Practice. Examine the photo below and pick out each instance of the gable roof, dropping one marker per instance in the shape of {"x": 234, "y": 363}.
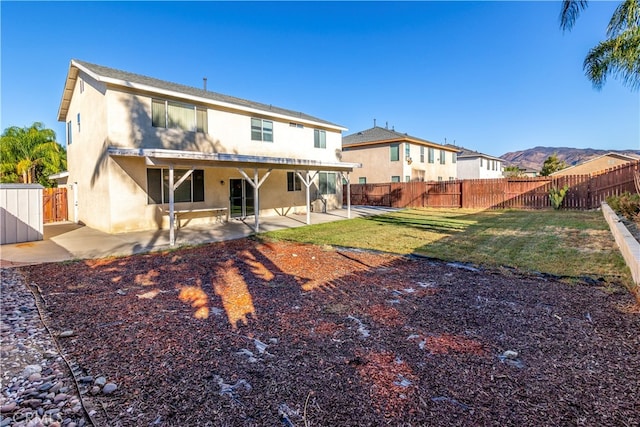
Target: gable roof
{"x": 151, "y": 84}
{"x": 624, "y": 157}
{"x": 378, "y": 135}
{"x": 465, "y": 153}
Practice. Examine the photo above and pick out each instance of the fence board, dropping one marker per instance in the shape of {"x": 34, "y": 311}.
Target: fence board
{"x": 585, "y": 191}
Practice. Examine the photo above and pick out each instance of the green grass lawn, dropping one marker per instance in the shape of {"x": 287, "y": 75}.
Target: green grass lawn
{"x": 571, "y": 244}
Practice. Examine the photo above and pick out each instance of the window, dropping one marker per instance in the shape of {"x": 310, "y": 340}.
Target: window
{"x": 81, "y": 86}
{"x": 175, "y": 115}
{"x": 261, "y": 130}
{"x": 488, "y": 164}
{"x": 293, "y": 182}
{"x": 296, "y": 125}
{"x": 439, "y": 178}
{"x": 395, "y": 178}
{"x": 327, "y": 182}
{"x": 319, "y": 138}
{"x": 443, "y": 158}
{"x": 421, "y": 154}
{"x": 69, "y": 132}
{"x": 480, "y": 161}
{"x": 431, "y": 154}
{"x": 407, "y": 178}
{"x": 395, "y": 152}
{"x": 454, "y": 157}
{"x": 407, "y": 150}
{"x": 78, "y": 119}
{"x": 191, "y": 189}
{"x": 362, "y": 180}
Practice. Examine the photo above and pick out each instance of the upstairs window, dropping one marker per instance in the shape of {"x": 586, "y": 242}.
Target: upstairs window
{"x": 431, "y": 155}
{"x": 175, "y": 115}
{"x": 407, "y": 150}
{"x": 395, "y": 152}
{"x": 261, "y": 130}
{"x": 454, "y": 157}
{"x": 190, "y": 190}
{"x": 443, "y": 158}
{"x": 319, "y": 138}
{"x": 69, "y": 132}
{"x": 293, "y": 182}
{"x": 421, "y": 154}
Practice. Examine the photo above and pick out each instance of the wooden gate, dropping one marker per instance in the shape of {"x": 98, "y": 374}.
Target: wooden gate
{"x": 54, "y": 205}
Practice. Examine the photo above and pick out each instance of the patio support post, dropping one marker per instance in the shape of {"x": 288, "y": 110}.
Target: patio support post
{"x": 172, "y": 233}
{"x": 307, "y": 183}
{"x": 348, "y": 197}
{"x": 256, "y": 183}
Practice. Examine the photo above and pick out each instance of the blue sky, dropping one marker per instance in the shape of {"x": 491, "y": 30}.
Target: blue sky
{"x": 492, "y": 76}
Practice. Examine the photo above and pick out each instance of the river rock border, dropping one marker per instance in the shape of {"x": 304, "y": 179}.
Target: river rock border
{"x": 37, "y": 387}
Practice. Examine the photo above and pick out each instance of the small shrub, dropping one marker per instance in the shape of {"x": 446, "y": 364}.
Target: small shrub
{"x": 626, "y": 204}
{"x": 557, "y": 196}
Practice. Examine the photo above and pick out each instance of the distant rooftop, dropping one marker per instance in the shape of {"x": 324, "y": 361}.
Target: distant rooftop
{"x": 467, "y": 153}
{"x": 379, "y": 134}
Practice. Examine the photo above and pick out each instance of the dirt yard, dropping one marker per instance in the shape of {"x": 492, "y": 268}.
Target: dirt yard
{"x": 245, "y": 333}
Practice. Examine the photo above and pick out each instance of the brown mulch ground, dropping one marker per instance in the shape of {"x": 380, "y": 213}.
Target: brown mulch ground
{"x": 246, "y": 333}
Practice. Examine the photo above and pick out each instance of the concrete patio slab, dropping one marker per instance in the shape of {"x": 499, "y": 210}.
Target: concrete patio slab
{"x": 69, "y": 241}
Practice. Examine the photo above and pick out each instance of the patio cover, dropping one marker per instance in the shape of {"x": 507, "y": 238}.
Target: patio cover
{"x": 193, "y": 159}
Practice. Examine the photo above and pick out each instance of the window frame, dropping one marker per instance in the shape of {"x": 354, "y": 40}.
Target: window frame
{"x": 69, "y": 132}
{"x": 422, "y": 154}
{"x": 329, "y": 185}
{"x": 200, "y": 124}
{"x": 261, "y": 133}
{"x": 362, "y": 180}
{"x": 293, "y": 182}
{"x": 394, "y": 152}
{"x": 319, "y": 138}
{"x": 195, "y": 182}
{"x": 443, "y": 157}
{"x": 395, "y": 178}
{"x": 431, "y": 155}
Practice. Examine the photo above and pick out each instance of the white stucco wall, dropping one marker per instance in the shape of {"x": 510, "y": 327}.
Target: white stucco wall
{"x": 476, "y": 168}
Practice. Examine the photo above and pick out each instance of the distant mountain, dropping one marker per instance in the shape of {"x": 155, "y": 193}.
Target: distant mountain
{"x": 533, "y": 158}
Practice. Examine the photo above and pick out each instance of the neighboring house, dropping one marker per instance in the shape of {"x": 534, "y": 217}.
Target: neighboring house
{"x": 474, "y": 165}
{"x": 130, "y": 137}
{"x": 390, "y": 156}
{"x": 597, "y": 164}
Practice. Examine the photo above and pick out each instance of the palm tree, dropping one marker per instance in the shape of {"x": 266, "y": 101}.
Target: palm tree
{"x": 619, "y": 54}
{"x": 30, "y": 154}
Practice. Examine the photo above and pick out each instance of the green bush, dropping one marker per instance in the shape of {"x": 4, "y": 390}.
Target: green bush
{"x": 626, "y": 204}
{"x": 557, "y": 196}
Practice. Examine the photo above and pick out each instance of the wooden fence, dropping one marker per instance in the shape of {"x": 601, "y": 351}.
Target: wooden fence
{"x": 585, "y": 191}
{"x": 54, "y": 205}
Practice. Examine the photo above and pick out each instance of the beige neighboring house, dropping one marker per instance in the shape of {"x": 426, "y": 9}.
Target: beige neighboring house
{"x": 475, "y": 165}
{"x": 139, "y": 148}
{"x": 597, "y": 164}
{"x": 390, "y": 156}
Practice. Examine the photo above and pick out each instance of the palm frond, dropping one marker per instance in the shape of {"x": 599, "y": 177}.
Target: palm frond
{"x": 619, "y": 57}
{"x": 625, "y": 17}
{"x": 570, "y": 11}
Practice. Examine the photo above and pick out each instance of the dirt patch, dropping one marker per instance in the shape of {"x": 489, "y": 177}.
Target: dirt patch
{"x": 246, "y": 333}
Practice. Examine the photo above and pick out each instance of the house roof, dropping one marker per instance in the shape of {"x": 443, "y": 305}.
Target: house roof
{"x": 623, "y": 157}
{"x": 378, "y": 135}
{"x": 465, "y": 153}
{"x": 141, "y": 82}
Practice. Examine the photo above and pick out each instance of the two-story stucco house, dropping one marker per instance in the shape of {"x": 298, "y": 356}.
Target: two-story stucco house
{"x": 141, "y": 150}
{"x": 390, "y": 156}
{"x": 475, "y": 165}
